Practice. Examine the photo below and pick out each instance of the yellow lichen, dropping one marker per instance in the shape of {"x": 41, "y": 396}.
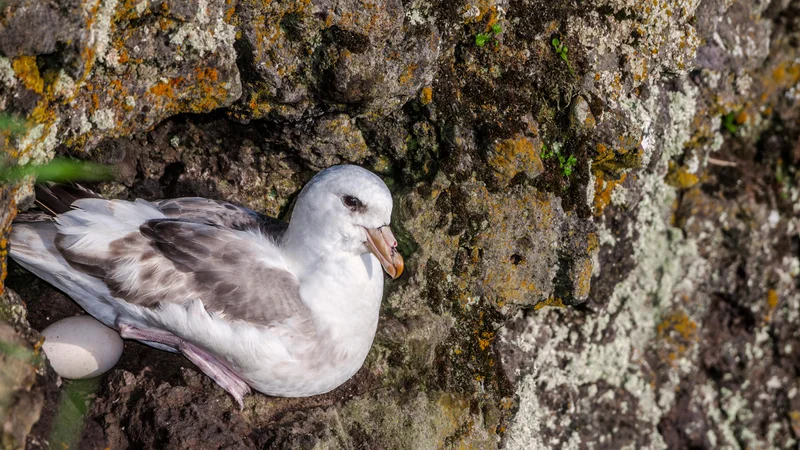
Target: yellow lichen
{"x": 794, "y": 418}
{"x": 550, "y": 301}
{"x": 609, "y": 166}
{"x": 28, "y": 72}
{"x": 485, "y": 339}
{"x": 678, "y": 332}
{"x": 5, "y": 227}
{"x": 680, "y": 177}
{"x": 426, "y": 95}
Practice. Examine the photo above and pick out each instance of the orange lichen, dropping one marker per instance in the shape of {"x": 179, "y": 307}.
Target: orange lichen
{"x": 784, "y": 73}
{"x": 28, "y": 72}
{"x": 42, "y": 113}
{"x": 123, "y": 57}
{"x": 609, "y": 167}
{"x": 5, "y": 229}
{"x": 772, "y": 298}
{"x": 166, "y": 88}
{"x": 772, "y": 303}
{"x": 512, "y": 156}
{"x": 508, "y": 278}
{"x": 406, "y": 76}
{"x": 493, "y": 16}
{"x": 426, "y": 95}
{"x": 165, "y": 23}
{"x": 602, "y": 192}
{"x": 741, "y": 118}
{"x": 126, "y": 10}
{"x": 229, "y": 14}
{"x": 207, "y": 73}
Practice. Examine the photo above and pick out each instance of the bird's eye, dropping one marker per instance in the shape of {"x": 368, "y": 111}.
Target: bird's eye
{"x": 352, "y": 202}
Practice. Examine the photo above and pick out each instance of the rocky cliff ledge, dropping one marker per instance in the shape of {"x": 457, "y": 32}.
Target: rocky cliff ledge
{"x": 597, "y": 201}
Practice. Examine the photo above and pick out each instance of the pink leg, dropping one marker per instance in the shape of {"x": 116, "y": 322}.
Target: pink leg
{"x": 159, "y": 337}
{"x": 210, "y": 365}
{"x": 217, "y": 370}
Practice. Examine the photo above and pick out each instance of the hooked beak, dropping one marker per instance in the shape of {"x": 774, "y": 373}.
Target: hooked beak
{"x": 383, "y": 245}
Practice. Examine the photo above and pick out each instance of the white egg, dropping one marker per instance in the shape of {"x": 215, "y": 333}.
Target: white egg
{"x": 81, "y": 347}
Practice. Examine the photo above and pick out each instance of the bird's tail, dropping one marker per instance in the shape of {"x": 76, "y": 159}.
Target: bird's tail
{"x": 54, "y": 199}
{"x": 32, "y": 240}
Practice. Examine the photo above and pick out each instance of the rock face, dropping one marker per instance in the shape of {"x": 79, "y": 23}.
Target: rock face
{"x": 597, "y": 203}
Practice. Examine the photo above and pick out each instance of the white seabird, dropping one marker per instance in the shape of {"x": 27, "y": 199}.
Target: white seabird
{"x": 287, "y": 309}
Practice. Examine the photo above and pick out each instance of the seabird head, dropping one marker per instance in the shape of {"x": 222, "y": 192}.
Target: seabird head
{"x": 351, "y": 208}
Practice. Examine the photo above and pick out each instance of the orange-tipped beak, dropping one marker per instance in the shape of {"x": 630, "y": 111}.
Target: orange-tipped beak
{"x": 383, "y": 245}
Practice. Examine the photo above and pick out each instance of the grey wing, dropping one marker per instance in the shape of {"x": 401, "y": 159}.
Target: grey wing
{"x": 221, "y": 214}
{"x": 238, "y": 275}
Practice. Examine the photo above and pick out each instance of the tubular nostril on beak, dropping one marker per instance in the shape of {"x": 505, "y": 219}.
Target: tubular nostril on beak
{"x": 383, "y": 244}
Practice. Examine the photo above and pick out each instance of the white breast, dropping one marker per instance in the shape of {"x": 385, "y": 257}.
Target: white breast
{"x": 345, "y": 297}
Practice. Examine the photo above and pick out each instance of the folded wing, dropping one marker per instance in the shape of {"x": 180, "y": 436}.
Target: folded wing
{"x": 147, "y": 258}
{"x": 221, "y": 214}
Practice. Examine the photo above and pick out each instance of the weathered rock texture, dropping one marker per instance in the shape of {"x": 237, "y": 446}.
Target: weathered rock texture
{"x": 601, "y": 235}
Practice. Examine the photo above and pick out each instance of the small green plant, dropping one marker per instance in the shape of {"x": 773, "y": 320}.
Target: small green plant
{"x": 546, "y": 152}
{"x": 565, "y": 163}
{"x": 729, "y": 122}
{"x": 561, "y": 50}
{"x": 482, "y": 38}
{"x": 784, "y": 180}
{"x": 60, "y": 170}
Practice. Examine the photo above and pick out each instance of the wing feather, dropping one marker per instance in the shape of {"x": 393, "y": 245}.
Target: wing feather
{"x": 147, "y": 258}
{"x": 222, "y": 214}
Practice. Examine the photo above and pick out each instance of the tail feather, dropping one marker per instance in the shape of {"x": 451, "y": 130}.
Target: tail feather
{"x": 33, "y": 243}
{"x": 58, "y": 198}
{"x": 32, "y": 246}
